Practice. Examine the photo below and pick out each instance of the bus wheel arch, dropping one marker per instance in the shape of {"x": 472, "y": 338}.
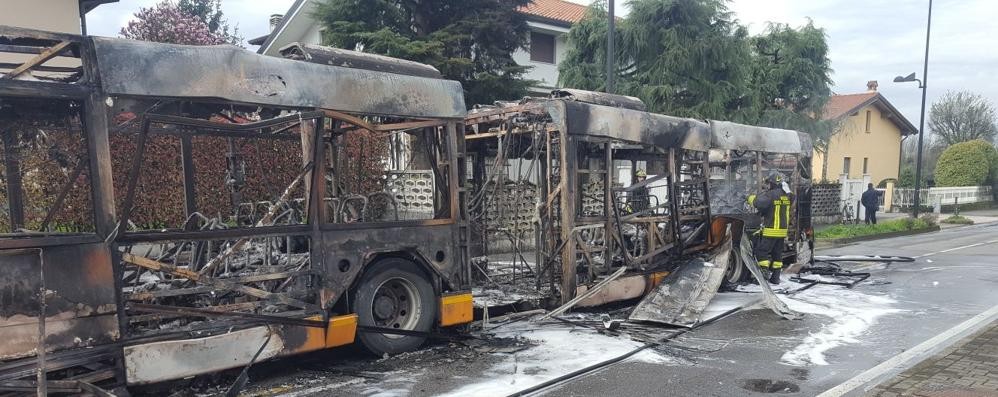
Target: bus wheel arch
{"x": 394, "y": 291}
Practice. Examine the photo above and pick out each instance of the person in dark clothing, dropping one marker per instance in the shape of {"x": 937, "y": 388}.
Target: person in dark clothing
{"x": 871, "y": 203}
{"x": 640, "y": 196}
{"x": 774, "y": 207}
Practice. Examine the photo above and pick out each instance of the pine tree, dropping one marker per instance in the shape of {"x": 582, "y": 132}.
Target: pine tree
{"x": 471, "y": 41}
{"x": 685, "y": 58}
{"x": 691, "y": 58}
{"x": 791, "y": 80}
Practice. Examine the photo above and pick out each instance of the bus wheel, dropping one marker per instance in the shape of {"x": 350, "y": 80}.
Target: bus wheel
{"x": 736, "y": 272}
{"x": 394, "y": 293}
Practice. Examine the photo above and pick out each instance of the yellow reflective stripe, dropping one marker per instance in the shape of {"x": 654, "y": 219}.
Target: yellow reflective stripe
{"x": 777, "y": 265}
{"x": 776, "y": 216}
{"x": 764, "y": 263}
{"x": 771, "y": 232}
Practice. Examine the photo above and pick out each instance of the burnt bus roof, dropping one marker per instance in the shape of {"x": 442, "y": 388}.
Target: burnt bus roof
{"x": 733, "y": 136}
{"x": 357, "y": 60}
{"x": 140, "y": 68}
{"x": 579, "y": 118}
{"x": 599, "y": 98}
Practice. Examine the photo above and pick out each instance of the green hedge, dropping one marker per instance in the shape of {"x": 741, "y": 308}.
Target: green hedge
{"x": 971, "y": 163}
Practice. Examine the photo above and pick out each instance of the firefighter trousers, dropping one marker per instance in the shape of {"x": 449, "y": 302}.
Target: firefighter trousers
{"x": 769, "y": 252}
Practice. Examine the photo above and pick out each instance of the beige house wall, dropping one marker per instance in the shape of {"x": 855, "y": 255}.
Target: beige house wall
{"x": 880, "y": 146}
{"x": 52, "y": 15}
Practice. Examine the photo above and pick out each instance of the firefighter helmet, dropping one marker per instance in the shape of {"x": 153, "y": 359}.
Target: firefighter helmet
{"x": 775, "y": 178}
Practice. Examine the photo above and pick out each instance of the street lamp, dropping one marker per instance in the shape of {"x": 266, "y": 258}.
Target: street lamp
{"x": 921, "y": 124}
{"x": 611, "y": 67}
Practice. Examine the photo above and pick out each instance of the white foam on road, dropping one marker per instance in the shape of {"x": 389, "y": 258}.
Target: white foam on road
{"x": 852, "y": 313}
{"x": 560, "y": 350}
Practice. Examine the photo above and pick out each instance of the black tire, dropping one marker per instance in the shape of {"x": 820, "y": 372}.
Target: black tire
{"x": 736, "y": 271}
{"x": 394, "y": 293}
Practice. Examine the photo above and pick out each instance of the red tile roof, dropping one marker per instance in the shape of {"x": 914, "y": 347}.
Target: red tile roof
{"x": 841, "y": 105}
{"x": 556, "y": 10}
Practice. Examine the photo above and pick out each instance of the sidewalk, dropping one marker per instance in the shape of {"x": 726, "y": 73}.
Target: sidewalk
{"x": 969, "y": 368}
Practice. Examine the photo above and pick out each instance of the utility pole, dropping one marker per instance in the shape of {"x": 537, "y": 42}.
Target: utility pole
{"x": 921, "y": 124}
{"x": 610, "y": 61}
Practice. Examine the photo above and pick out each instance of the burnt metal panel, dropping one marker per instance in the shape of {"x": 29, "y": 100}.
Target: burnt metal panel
{"x": 684, "y": 295}
{"x": 733, "y": 136}
{"x": 80, "y": 307}
{"x": 348, "y": 250}
{"x": 357, "y": 60}
{"x": 599, "y": 98}
{"x": 229, "y": 73}
{"x": 631, "y": 125}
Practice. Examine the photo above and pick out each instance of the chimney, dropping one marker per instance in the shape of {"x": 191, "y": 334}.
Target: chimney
{"x": 872, "y": 85}
{"x": 275, "y": 19}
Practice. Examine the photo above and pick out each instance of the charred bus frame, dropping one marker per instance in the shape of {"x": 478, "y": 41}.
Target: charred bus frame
{"x": 582, "y": 224}
{"x": 311, "y": 245}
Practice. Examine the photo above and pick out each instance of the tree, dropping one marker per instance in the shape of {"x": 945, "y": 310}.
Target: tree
{"x": 963, "y": 116}
{"x": 584, "y": 66}
{"x": 210, "y": 12}
{"x": 471, "y": 41}
{"x": 792, "y": 82}
{"x": 971, "y": 163}
{"x": 166, "y": 22}
{"x": 686, "y": 58}
{"x": 690, "y": 58}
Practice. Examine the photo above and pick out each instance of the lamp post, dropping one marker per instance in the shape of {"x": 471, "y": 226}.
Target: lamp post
{"x": 610, "y": 62}
{"x": 921, "y": 124}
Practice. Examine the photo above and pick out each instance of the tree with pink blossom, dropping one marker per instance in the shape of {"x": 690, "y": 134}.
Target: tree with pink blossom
{"x": 166, "y": 22}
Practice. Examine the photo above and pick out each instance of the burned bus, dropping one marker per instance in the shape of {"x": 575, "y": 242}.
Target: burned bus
{"x": 556, "y": 209}
{"x": 741, "y": 156}
{"x": 173, "y": 210}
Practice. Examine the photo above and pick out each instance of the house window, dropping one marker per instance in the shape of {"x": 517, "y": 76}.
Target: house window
{"x": 866, "y": 162}
{"x": 869, "y": 115}
{"x": 845, "y": 165}
{"x": 541, "y": 47}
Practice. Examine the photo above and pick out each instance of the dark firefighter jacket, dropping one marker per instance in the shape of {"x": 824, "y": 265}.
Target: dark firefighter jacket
{"x": 774, "y": 206}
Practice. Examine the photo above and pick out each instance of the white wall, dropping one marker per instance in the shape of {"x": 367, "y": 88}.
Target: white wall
{"x": 546, "y": 73}
{"x": 61, "y": 16}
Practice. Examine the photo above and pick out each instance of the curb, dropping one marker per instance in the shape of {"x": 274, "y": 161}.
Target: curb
{"x": 849, "y": 240}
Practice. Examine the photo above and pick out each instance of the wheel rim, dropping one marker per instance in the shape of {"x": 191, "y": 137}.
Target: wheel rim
{"x": 396, "y": 304}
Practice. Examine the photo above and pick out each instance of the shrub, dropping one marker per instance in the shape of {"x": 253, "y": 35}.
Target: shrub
{"x": 971, "y": 163}
{"x": 958, "y": 220}
{"x": 897, "y": 225}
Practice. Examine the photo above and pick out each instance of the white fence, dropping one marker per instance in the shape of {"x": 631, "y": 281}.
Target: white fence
{"x": 852, "y": 191}
{"x": 905, "y": 197}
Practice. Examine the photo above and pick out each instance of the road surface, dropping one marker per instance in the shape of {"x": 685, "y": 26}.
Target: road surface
{"x": 838, "y": 345}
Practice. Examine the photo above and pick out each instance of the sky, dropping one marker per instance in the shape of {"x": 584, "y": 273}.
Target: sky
{"x": 868, "y": 39}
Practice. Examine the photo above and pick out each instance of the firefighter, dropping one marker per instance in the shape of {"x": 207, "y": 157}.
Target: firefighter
{"x": 640, "y": 196}
{"x": 774, "y": 207}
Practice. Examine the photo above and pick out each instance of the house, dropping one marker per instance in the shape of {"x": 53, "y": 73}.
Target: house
{"x": 549, "y": 22}
{"x": 867, "y": 141}
{"x": 62, "y": 16}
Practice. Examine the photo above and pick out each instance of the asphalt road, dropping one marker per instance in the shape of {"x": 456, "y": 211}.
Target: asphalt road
{"x": 741, "y": 354}
{"x": 900, "y": 306}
